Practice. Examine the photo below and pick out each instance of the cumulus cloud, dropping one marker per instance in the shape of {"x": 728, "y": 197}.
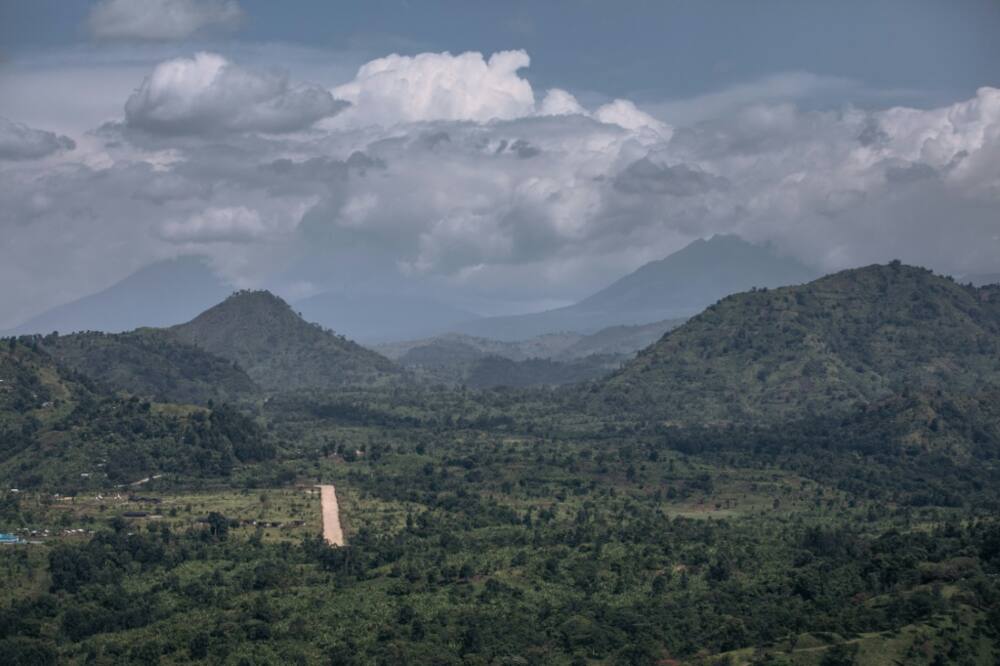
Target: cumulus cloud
{"x": 558, "y": 102}
{"x": 20, "y": 142}
{"x": 207, "y": 94}
{"x": 467, "y": 87}
{"x": 438, "y": 86}
{"x": 161, "y": 19}
{"x": 488, "y": 207}
{"x": 625, "y": 114}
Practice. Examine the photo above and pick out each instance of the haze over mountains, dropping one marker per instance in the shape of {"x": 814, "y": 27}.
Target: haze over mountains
{"x": 850, "y": 338}
{"x": 163, "y": 294}
{"x": 552, "y": 359}
{"x": 382, "y": 315}
{"x": 678, "y": 286}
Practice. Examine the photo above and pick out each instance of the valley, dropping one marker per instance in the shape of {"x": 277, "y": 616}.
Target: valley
{"x": 776, "y": 480}
{"x": 442, "y": 333}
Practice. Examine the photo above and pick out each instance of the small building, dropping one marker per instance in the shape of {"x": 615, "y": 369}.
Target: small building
{"x": 8, "y": 538}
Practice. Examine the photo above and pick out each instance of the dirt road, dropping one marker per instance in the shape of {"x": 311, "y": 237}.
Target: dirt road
{"x": 332, "y": 532}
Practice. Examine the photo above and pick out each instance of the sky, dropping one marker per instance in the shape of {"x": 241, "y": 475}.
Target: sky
{"x": 502, "y": 157}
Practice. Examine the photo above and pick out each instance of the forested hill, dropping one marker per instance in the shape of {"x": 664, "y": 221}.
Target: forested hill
{"x": 850, "y": 338}
{"x": 278, "y": 349}
{"x": 151, "y": 363}
{"x": 58, "y": 429}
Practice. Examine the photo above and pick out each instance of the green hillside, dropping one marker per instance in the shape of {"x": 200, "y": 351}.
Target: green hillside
{"x": 493, "y": 371}
{"x": 59, "y": 430}
{"x": 278, "y": 349}
{"x": 804, "y": 476}
{"x": 849, "y": 338}
{"x": 151, "y": 363}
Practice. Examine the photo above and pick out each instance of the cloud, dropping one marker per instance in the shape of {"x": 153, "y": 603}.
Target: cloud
{"x": 438, "y": 86}
{"x": 645, "y": 176}
{"x": 207, "y": 94}
{"x": 430, "y": 87}
{"x": 770, "y": 90}
{"x": 20, "y": 142}
{"x": 234, "y": 224}
{"x": 161, "y": 19}
{"x": 625, "y": 114}
{"x": 548, "y": 204}
{"x": 558, "y": 102}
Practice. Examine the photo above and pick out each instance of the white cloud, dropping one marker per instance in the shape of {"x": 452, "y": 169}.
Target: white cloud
{"x": 558, "y": 102}
{"x": 208, "y": 94}
{"x": 234, "y": 224}
{"x": 160, "y": 19}
{"x": 438, "y": 86}
{"x": 625, "y": 114}
{"x": 467, "y": 87}
{"x": 938, "y": 135}
{"x": 551, "y": 202}
{"x": 20, "y": 142}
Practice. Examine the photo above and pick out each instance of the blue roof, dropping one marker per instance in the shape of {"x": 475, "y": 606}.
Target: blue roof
{"x": 4, "y": 538}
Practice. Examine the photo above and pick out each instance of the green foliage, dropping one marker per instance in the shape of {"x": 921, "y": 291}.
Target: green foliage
{"x": 850, "y": 338}
{"x": 60, "y": 430}
{"x": 150, "y": 363}
{"x": 854, "y": 521}
{"x": 278, "y": 349}
{"x": 495, "y": 371}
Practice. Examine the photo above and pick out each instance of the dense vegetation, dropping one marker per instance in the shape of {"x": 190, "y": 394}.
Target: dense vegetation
{"x": 62, "y": 431}
{"x": 554, "y": 359}
{"x": 151, "y": 363}
{"x": 854, "y": 522}
{"x": 280, "y": 350}
{"x": 846, "y": 339}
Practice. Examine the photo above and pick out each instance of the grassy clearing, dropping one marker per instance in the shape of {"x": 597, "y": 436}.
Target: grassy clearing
{"x": 276, "y": 514}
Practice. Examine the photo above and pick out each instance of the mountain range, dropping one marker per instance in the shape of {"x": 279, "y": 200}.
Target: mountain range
{"x": 847, "y": 339}
{"x": 552, "y": 359}
{"x": 614, "y": 340}
{"x": 677, "y": 286}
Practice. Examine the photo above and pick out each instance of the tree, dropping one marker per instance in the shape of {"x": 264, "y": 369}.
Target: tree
{"x": 218, "y": 525}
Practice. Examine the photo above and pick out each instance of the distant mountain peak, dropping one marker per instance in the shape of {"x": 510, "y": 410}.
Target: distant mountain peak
{"x": 161, "y": 294}
{"x": 677, "y": 286}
